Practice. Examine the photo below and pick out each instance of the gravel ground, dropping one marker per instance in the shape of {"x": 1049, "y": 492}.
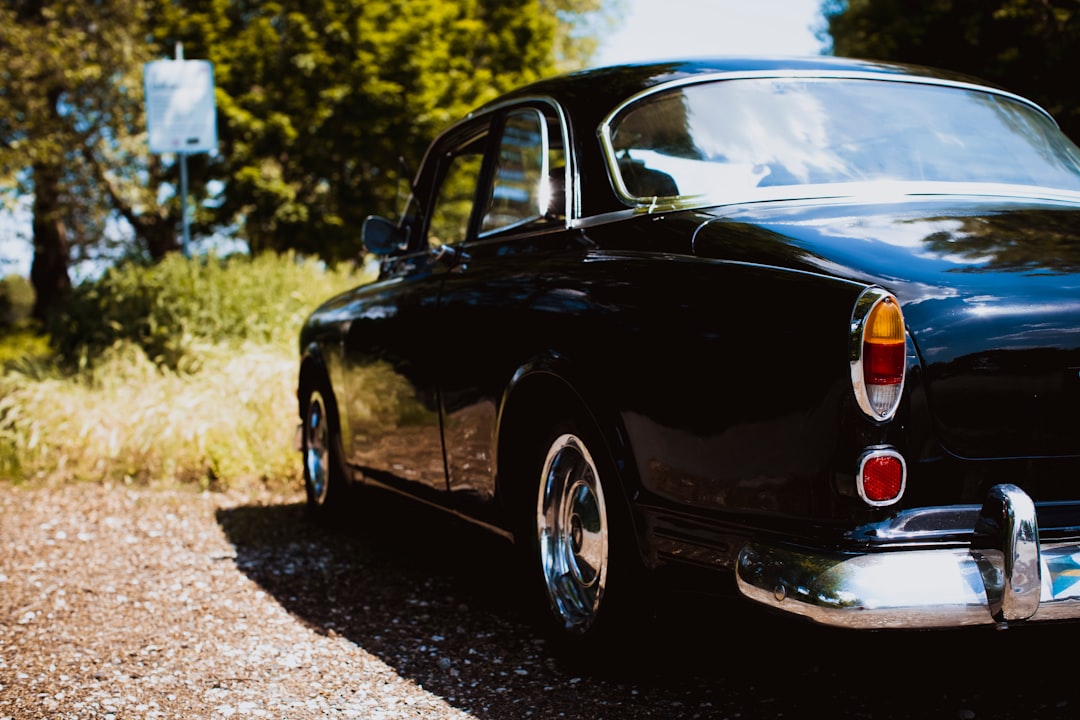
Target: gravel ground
{"x": 121, "y": 602}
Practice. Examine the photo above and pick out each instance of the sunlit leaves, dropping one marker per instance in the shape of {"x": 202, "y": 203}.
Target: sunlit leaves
{"x": 320, "y": 99}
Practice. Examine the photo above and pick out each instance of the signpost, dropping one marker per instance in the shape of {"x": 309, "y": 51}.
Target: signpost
{"x": 181, "y": 115}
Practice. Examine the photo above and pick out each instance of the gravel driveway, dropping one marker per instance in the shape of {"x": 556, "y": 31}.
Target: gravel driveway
{"x": 161, "y": 603}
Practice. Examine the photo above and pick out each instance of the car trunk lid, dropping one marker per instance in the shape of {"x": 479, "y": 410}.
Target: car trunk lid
{"x": 990, "y": 291}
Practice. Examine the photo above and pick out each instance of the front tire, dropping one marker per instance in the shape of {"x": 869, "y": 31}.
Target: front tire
{"x": 324, "y": 477}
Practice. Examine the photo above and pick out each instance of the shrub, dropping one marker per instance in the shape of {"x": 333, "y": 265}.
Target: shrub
{"x": 16, "y": 301}
{"x": 25, "y": 349}
{"x": 169, "y": 308}
{"x": 185, "y": 370}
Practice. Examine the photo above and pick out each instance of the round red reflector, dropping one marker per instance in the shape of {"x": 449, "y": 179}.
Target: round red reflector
{"x": 882, "y": 478}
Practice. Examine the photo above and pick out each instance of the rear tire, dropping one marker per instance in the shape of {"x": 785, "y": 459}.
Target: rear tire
{"x": 581, "y": 542}
{"x": 572, "y": 534}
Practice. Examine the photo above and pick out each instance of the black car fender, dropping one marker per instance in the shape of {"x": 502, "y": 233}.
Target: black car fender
{"x": 547, "y": 388}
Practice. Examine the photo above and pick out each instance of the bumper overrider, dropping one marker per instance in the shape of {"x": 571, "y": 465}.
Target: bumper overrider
{"x": 1001, "y": 575}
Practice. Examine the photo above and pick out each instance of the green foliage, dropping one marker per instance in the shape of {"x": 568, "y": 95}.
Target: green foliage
{"x": 1022, "y": 45}
{"x": 16, "y": 301}
{"x": 24, "y": 349}
{"x": 174, "y": 307}
{"x": 22, "y": 345}
{"x": 186, "y": 368}
{"x": 188, "y": 371}
{"x": 320, "y": 99}
{"x": 71, "y": 118}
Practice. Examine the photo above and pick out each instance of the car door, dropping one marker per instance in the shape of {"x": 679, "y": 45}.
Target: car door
{"x": 487, "y": 302}
{"x": 395, "y": 341}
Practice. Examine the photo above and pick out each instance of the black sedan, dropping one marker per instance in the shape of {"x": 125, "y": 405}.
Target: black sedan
{"x": 812, "y": 325}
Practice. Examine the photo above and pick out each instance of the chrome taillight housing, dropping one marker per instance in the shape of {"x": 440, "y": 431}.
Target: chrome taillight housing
{"x": 878, "y": 353}
{"x": 881, "y": 477}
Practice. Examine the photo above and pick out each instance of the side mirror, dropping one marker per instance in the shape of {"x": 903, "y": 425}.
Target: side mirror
{"x": 381, "y": 236}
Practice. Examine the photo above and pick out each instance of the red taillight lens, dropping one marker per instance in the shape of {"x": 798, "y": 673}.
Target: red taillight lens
{"x": 882, "y": 476}
{"x": 878, "y": 367}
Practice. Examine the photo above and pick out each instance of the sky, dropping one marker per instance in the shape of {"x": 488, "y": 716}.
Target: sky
{"x": 649, "y": 30}
{"x": 663, "y": 29}
{"x": 15, "y": 249}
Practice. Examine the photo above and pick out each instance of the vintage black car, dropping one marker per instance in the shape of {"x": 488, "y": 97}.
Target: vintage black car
{"x": 811, "y": 324}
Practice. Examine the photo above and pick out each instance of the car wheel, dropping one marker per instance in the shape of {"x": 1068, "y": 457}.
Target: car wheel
{"x": 572, "y": 533}
{"x": 582, "y": 543}
{"x": 324, "y": 479}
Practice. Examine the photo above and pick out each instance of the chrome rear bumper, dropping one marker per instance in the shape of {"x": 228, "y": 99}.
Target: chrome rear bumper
{"x": 1004, "y": 576}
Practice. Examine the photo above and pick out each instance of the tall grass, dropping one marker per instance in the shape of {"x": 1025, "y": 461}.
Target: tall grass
{"x": 181, "y": 371}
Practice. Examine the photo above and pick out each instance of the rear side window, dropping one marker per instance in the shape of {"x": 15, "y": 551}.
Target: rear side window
{"x": 529, "y": 174}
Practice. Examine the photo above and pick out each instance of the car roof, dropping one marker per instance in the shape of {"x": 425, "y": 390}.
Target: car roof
{"x": 601, "y": 88}
{"x": 588, "y": 97}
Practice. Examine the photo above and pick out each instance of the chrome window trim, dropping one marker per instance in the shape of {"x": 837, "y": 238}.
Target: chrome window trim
{"x": 691, "y": 201}
{"x": 504, "y": 228}
{"x": 855, "y": 192}
{"x": 603, "y": 218}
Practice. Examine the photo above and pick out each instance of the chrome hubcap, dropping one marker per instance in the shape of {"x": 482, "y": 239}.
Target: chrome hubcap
{"x": 316, "y": 448}
{"x": 571, "y": 524}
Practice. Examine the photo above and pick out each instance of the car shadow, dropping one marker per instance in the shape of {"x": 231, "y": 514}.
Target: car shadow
{"x": 442, "y": 603}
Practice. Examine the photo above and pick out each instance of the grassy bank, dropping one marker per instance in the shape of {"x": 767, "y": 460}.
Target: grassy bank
{"x": 181, "y": 371}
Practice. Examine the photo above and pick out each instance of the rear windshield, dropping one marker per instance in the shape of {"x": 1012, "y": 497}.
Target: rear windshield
{"x": 733, "y": 135}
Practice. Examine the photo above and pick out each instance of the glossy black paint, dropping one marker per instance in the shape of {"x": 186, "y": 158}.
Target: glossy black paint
{"x": 710, "y": 348}
{"x": 990, "y": 291}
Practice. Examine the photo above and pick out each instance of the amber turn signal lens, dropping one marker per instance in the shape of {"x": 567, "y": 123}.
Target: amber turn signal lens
{"x": 885, "y": 325}
{"x": 883, "y": 345}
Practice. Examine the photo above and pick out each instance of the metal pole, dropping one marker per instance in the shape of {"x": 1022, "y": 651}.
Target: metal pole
{"x": 185, "y": 241}
{"x": 185, "y": 237}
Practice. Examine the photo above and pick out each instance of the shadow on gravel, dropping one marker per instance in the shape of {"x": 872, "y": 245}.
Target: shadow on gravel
{"x": 437, "y": 600}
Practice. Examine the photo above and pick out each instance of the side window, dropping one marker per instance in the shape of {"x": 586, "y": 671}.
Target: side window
{"x": 454, "y": 200}
{"x": 529, "y": 173}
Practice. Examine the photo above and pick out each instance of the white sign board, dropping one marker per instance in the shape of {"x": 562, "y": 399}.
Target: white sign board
{"x": 180, "y": 111}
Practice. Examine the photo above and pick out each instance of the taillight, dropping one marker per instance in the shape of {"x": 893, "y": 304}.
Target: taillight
{"x": 881, "y": 477}
{"x": 878, "y": 353}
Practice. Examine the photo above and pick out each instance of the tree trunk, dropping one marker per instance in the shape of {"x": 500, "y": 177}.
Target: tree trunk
{"x": 159, "y": 235}
{"x": 49, "y": 269}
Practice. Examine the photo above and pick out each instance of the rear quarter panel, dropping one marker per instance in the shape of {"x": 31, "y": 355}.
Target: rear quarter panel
{"x": 726, "y": 384}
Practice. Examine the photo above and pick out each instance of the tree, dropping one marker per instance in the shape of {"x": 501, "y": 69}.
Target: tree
{"x": 31, "y": 83}
{"x": 1026, "y": 46}
{"x": 320, "y": 100}
{"x": 70, "y": 131}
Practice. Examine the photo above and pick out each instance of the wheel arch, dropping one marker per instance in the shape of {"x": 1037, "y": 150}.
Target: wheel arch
{"x": 312, "y": 370}
{"x": 316, "y": 365}
{"x": 542, "y": 392}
